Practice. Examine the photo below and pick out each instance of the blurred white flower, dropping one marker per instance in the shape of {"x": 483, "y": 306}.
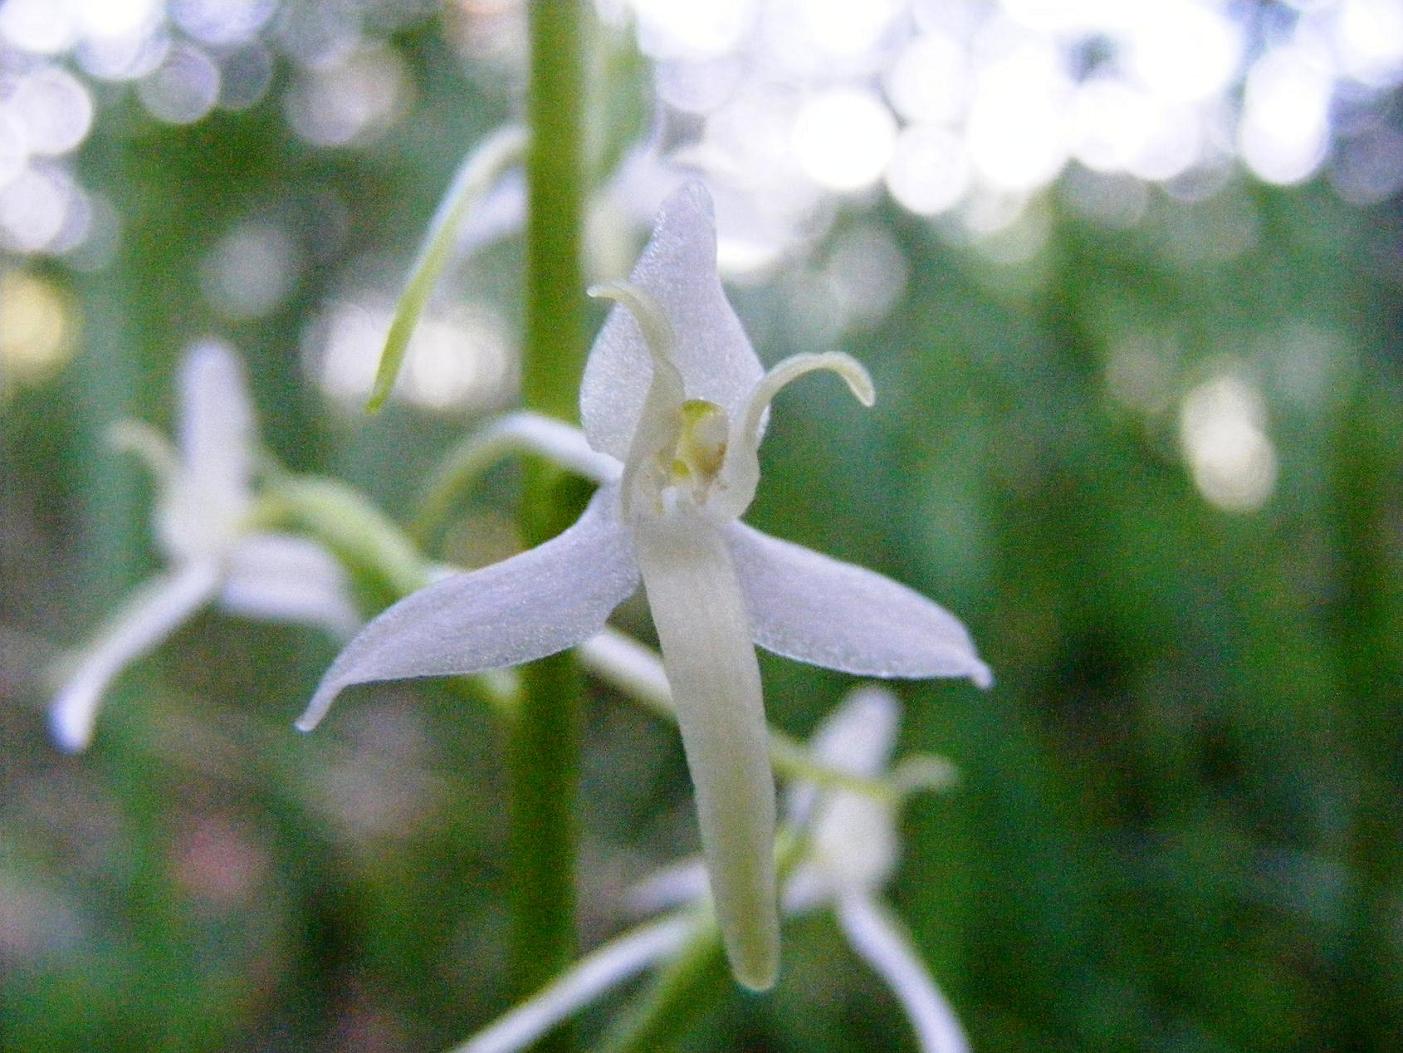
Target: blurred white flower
{"x": 675, "y": 394}
{"x": 213, "y": 554}
{"x": 849, "y": 850}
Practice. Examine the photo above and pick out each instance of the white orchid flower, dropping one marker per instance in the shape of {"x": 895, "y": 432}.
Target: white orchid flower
{"x": 674, "y": 393}
{"x": 853, "y": 851}
{"x": 201, "y": 521}
{"x": 852, "y": 847}
{"x": 849, "y": 853}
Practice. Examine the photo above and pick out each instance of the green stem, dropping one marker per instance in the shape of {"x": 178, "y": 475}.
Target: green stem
{"x": 1367, "y": 608}
{"x": 544, "y": 742}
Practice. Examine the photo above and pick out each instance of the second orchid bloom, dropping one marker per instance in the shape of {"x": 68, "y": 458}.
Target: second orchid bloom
{"x": 674, "y": 393}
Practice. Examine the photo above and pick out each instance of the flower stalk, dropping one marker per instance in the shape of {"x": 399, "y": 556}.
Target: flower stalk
{"x": 544, "y": 742}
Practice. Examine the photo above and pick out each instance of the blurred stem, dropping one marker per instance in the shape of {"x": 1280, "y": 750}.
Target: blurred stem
{"x": 1366, "y": 611}
{"x": 544, "y": 742}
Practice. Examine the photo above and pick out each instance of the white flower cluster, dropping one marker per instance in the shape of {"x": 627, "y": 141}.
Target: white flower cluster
{"x": 674, "y": 403}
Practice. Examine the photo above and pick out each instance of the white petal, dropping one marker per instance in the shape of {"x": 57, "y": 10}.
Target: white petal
{"x": 878, "y": 937}
{"x": 590, "y": 977}
{"x": 150, "y": 615}
{"x": 282, "y": 578}
{"x": 526, "y": 607}
{"x": 857, "y": 737}
{"x": 712, "y": 352}
{"x": 672, "y": 886}
{"x": 853, "y": 843}
{"x": 704, "y": 632}
{"x": 820, "y": 610}
{"x": 805, "y": 890}
{"x": 216, "y": 423}
{"x": 648, "y": 461}
{"x": 630, "y": 666}
{"x": 638, "y": 672}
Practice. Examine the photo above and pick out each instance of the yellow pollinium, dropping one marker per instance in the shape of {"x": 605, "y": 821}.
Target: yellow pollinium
{"x": 701, "y": 443}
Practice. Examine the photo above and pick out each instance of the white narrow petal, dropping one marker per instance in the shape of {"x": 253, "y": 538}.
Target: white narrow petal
{"x": 857, "y": 737}
{"x": 564, "y": 444}
{"x": 879, "y": 938}
{"x": 216, "y": 423}
{"x": 820, "y": 610}
{"x": 524, "y": 608}
{"x": 630, "y": 666}
{"x": 714, "y": 356}
{"x": 282, "y": 578}
{"x": 704, "y": 632}
{"x": 590, "y": 977}
{"x": 672, "y": 886}
{"x": 150, "y": 615}
{"x": 806, "y": 890}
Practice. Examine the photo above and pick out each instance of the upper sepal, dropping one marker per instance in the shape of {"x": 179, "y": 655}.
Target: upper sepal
{"x": 677, "y": 269}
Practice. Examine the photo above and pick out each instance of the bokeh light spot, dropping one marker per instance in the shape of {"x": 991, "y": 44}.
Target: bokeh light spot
{"x": 843, "y": 138}
{"x": 1222, "y": 430}
{"x": 37, "y": 338}
{"x": 183, "y": 88}
{"x": 929, "y": 172}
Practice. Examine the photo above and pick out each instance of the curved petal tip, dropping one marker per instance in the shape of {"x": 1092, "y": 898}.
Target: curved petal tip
{"x": 71, "y": 724}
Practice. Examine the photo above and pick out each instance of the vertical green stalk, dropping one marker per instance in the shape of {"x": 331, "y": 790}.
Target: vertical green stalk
{"x": 1367, "y": 612}
{"x": 544, "y": 742}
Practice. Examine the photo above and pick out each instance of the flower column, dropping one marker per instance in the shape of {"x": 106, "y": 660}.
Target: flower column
{"x": 545, "y": 740}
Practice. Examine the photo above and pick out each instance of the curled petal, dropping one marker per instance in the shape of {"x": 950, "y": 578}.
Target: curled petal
{"x": 282, "y": 578}
{"x": 660, "y": 415}
{"x": 816, "y": 609}
{"x": 712, "y": 352}
{"x": 534, "y": 604}
{"x": 148, "y": 617}
{"x": 878, "y": 937}
{"x": 740, "y": 473}
{"x": 704, "y": 631}
{"x": 216, "y": 425}
{"x": 593, "y": 975}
